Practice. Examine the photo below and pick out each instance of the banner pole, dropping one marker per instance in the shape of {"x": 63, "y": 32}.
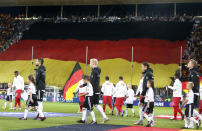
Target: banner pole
{"x": 180, "y": 61}
{"x": 32, "y": 58}
{"x": 132, "y": 67}
{"x": 86, "y": 60}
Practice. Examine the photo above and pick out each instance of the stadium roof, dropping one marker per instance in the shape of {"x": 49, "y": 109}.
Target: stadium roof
{"x": 87, "y": 2}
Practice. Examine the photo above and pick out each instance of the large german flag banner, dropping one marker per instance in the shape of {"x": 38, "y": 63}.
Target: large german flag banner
{"x": 72, "y": 82}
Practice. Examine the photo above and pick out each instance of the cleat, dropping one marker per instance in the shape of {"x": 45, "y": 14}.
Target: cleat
{"x": 184, "y": 128}
{"x": 198, "y": 125}
{"x": 43, "y": 118}
{"x": 105, "y": 120}
{"x": 93, "y": 123}
{"x": 139, "y": 123}
{"x": 148, "y": 125}
{"x": 122, "y": 114}
{"x": 80, "y": 121}
{"x": 126, "y": 115}
{"x": 173, "y": 119}
{"x": 22, "y": 118}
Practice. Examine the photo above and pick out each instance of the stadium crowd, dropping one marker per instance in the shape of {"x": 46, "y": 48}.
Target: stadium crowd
{"x": 11, "y": 30}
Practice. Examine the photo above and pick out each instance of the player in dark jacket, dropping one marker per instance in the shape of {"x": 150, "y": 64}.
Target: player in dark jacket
{"x": 40, "y": 86}
{"x": 194, "y": 77}
{"x": 148, "y": 75}
{"x": 95, "y": 81}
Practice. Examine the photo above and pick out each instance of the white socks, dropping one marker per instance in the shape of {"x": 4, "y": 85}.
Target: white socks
{"x": 40, "y": 109}
{"x": 93, "y": 115}
{"x": 192, "y": 121}
{"x": 140, "y": 113}
{"x": 26, "y": 112}
{"x": 84, "y": 114}
{"x": 133, "y": 111}
{"x": 186, "y": 122}
{"x": 147, "y": 117}
{"x": 11, "y": 105}
{"x": 100, "y": 109}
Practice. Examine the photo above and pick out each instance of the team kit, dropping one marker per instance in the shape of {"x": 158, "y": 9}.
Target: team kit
{"x": 89, "y": 93}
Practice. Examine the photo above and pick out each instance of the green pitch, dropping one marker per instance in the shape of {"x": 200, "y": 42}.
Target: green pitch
{"x": 12, "y": 123}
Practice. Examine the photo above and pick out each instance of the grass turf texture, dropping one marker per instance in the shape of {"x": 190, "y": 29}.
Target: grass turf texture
{"x": 12, "y": 123}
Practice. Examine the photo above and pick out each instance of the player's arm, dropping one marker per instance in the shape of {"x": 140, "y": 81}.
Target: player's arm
{"x": 184, "y": 102}
{"x": 30, "y": 93}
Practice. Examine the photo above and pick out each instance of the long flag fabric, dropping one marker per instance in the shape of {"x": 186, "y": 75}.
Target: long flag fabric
{"x": 72, "y": 82}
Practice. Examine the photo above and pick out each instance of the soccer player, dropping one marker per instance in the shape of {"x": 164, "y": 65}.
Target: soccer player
{"x": 18, "y": 83}
{"x": 120, "y": 93}
{"x": 88, "y": 102}
{"x": 148, "y": 75}
{"x": 107, "y": 90}
{"x": 177, "y": 95}
{"x": 81, "y": 90}
{"x": 129, "y": 100}
{"x": 141, "y": 102}
{"x": 9, "y": 96}
{"x": 32, "y": 97}
{"x": 95, "y": 81}
{"x": 40, "y": 87}
{"x": 189, "y": 101}
{"x": 149, "y": 103}
{"x": 194, "y": 77}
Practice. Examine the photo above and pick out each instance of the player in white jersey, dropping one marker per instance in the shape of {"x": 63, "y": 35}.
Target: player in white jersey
{"x": 18, "y": 83}
{"x": 189, "y": 101}
{"x": 141, "y": 101}
{"x": 9, "y": 96}
{"x": 177, "y": 95}
{"x": 120, "y": 93}
{"x": 81, "y": 90}
{"x": 107, "y": 90}
{"x": 32, "y": 97}
{"x": 88, "y": 103}
{"x": 149, "y": 103}
{"x": 129, "y": 100}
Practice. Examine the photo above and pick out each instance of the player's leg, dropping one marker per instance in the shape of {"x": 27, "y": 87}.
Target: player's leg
{"x": 90, "y": 102}
{"x": 104, "y": 101}
{"x": 110, "y": 103}
{"x": 186, "y": 120}
{"x": 10, "y": 100}
{"x": 84, "y": 111}
{"x": 141, "y": 106}
{"x": 192, "y": 119}
{"x": 5, "y": 103}
{"x": 126, "y": 110}
{"x": 26, "y": 109}
{"x": 98, "y": 107}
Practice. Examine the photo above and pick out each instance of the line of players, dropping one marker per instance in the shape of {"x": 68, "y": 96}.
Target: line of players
{"x": 35, "y": 93}
{"x": 89, "y": 95}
